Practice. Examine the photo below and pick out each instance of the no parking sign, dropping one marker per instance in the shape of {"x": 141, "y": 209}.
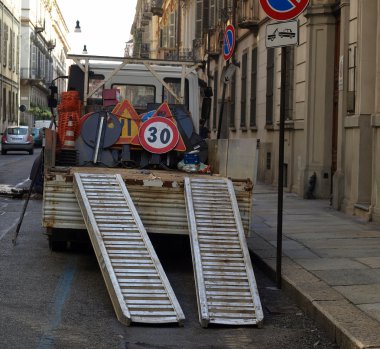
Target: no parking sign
{"x": 228, "y": 42}
{"x": 283, "y": 10}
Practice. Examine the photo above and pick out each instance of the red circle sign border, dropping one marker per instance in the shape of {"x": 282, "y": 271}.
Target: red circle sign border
{"x": 283, "y": 16}
{"x": 166, "y": 121}
{"x": 231, "y": 28}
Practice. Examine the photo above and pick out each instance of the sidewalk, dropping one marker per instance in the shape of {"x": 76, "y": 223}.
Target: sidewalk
{"x": 330, "y": 264}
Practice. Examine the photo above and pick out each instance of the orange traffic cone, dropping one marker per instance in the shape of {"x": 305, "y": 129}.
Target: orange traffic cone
{"x": 69, "y": 140}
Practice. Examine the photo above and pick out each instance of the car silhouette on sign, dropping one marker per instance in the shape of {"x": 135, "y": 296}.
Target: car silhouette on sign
{"x": 286, "y": 33}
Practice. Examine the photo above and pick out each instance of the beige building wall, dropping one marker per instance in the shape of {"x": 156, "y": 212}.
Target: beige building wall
{"x": 332, "y": 129}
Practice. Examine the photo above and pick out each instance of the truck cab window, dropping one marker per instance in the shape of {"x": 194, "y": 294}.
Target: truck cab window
{"x": 175, "y": 85}
{"x": 138, "y": 95}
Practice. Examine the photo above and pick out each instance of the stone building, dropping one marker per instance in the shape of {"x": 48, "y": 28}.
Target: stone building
{"x": 9, "y": 62}
{"x": 332, "y": 99}
{"x": 44, "y": 48}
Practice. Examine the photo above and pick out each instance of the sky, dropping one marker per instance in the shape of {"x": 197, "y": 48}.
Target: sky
{"x": 106, "y": 25}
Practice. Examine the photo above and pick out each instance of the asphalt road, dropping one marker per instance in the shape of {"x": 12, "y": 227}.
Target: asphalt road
{"x": 59, "y": 300}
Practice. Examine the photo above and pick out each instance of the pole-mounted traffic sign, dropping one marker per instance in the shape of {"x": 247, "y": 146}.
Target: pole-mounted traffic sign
{"x": 228, "y": 42}
{"x": 283, "y": 10}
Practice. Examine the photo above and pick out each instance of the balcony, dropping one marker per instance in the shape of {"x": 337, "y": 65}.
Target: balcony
{"x": 156, "y": 8}
{"x": 251, "y": 23}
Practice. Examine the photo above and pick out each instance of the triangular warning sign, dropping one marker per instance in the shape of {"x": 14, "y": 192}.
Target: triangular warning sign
{"x": 131, "y": 122}
{"x": 164, "y": 111}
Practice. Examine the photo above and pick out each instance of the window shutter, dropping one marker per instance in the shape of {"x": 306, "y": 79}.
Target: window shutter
{"x": 243, "y": 97}
{"x": 270, "y": 82}
{"x": 252, "y": 112}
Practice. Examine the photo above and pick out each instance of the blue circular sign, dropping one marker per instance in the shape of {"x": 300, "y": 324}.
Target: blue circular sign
{"x": 228, "y": 42}
{"x": 283, "y": 10}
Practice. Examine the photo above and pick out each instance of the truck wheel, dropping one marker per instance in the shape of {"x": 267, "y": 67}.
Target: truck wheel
{"x": 31, "y": 152}
{"x": 3, "y": 152}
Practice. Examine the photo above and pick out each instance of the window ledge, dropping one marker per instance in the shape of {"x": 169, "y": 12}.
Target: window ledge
{"x": 243, "y": 128}
{"x": 253, "y": 128}
{"x": 269, "y": 127}
{"x": 232, "y": 129}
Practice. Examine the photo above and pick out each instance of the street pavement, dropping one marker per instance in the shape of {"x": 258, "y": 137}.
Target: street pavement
{"x": 330, "y": 264}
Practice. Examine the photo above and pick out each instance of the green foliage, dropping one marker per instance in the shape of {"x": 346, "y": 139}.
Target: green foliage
{"x": 39, "y": 113}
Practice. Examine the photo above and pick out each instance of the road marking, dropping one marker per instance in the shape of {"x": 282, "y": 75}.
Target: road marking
{"x": 5, "y": 232}
{"x": 61, "y": 294}
{"x": 22, "y": 183}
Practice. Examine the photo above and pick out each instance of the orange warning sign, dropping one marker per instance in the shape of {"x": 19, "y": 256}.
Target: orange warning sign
{"x": 131, "y": 122}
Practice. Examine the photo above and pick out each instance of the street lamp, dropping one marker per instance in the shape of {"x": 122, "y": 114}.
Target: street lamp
{"x": 77, "y": 28}
{"x": 84, "y": 50}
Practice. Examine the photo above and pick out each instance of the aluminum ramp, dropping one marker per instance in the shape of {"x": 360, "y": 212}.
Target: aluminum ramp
{"x": 138, "y": 287}
{"x": 226, "y": 286}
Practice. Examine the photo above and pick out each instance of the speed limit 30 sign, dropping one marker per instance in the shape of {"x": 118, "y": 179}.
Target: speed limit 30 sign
{"x": 158, "y": 135}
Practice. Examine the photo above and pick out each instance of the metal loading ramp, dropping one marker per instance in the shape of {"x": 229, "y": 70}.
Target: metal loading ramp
{"x": 226, "y": 286}
{"x": 136, "y": 282}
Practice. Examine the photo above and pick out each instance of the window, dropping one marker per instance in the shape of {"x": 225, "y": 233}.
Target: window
{"x": 269, "y": 160}
{"x": 138, "y": 95}
{"x": 172, "y": 19}
{"x": 212, "y": 16}
{"x": 351, "y": 85}
{"x": 270, "y": 84}
{"x": 252, "y": 110}
{"x": 243, "y": 97}
{"x": 5, "y": 45}
{"x": 5, "y": 105}
{"x": 215, "y": 100}
{"x": 198, "y": 19}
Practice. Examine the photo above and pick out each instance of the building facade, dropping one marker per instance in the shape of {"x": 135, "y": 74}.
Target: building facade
{"x": 44, "y": 48}
{"x": 332, "y": 94}
{"x": 9, "y": 62}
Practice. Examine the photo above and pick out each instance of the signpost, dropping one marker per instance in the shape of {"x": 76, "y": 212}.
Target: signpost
{"x": 282, "y": 35}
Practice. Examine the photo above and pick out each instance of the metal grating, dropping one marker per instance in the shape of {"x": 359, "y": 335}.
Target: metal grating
{"x": 226, "y": 286}
{"x": 136, "y": 282}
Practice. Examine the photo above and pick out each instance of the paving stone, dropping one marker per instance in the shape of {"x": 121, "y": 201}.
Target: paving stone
{"x": 330, "y": 264}
{"x": 372, "y": 310}
{"x": 373, "y": 262}
{"x": 353, "y": 253}
{"x": 361, "y": 294}
{"x": 345, "y": 277}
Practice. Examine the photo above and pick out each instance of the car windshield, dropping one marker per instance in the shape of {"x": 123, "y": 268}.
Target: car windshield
{"x": 35, "y": 131}
{"x": 17, "y": 131}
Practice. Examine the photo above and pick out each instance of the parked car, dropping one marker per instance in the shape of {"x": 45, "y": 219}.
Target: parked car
{"x": 37, "y": 136}
{"x": 17, "y": 138}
